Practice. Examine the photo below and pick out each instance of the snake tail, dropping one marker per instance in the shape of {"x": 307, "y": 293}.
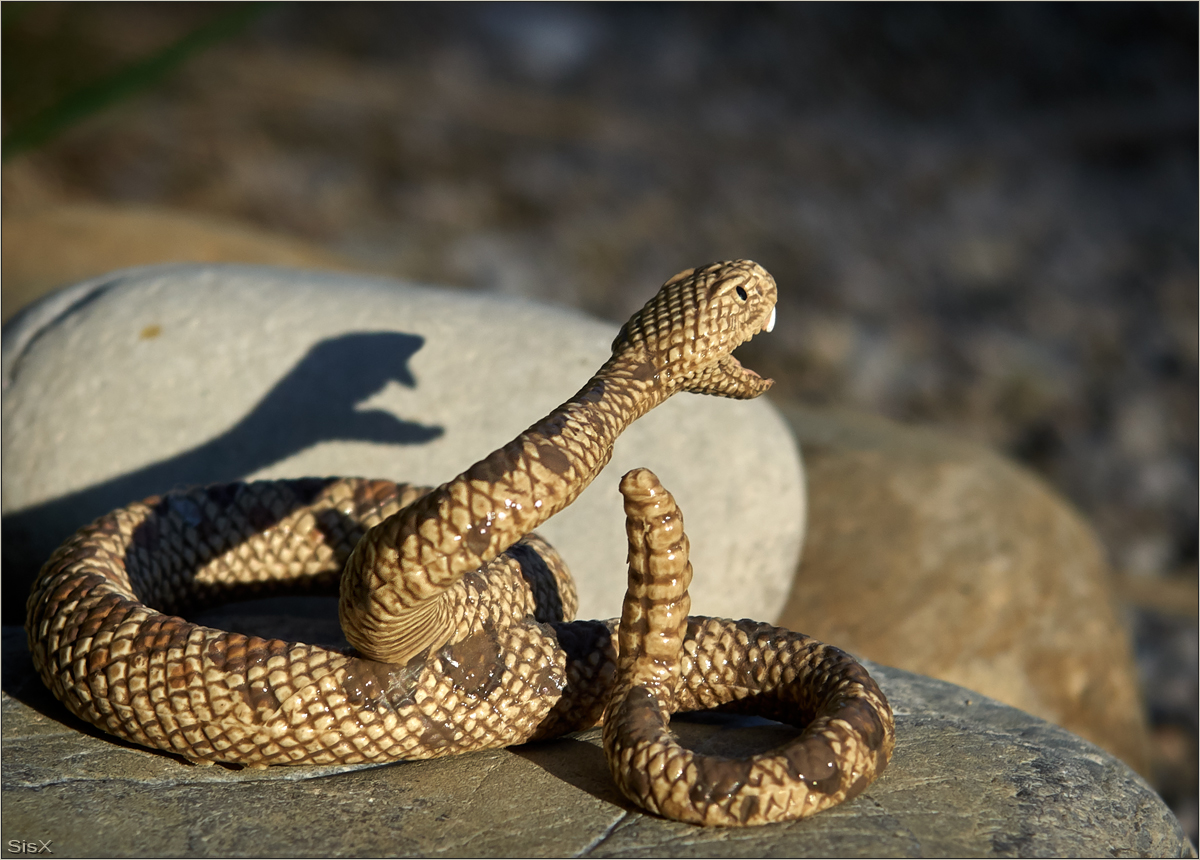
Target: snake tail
{"x": 848, "y": 730}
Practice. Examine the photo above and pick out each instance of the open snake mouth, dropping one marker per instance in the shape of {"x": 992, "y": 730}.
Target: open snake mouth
{"x": 733, "y": 365}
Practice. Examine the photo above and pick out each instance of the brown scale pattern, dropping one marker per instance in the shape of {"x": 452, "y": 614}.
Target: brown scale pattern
{"x": 669, "y": 662}
{"x": 208, "y": 695}
{"x": 460, "y": 617}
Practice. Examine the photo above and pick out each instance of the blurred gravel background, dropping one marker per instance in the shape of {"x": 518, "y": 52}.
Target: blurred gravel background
{"x": 981, "y": 217}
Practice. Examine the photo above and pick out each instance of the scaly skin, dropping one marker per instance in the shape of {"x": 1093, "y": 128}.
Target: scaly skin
{"x": 394, "y": 590}
{"x": 460, "y": 617}
{"x": 848, "y": 736}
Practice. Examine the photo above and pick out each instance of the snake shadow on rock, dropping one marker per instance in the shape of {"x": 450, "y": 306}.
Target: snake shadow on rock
{"x": 314, "y": 402}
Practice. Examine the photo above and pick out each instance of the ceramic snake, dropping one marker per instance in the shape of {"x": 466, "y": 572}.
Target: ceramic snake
{"x": 460, "y": 618}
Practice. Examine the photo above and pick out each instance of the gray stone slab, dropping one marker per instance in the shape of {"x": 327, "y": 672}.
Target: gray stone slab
{"x": 970, "y": 777}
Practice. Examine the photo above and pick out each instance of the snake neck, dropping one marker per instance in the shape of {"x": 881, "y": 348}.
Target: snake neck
{"x": 391, "y": 605}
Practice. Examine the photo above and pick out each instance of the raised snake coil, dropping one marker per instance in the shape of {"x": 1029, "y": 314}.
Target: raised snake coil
{"x": 459, "y": 616}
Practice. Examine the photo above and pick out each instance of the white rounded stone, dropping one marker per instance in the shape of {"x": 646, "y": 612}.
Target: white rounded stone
{"x": 146, "y": 379}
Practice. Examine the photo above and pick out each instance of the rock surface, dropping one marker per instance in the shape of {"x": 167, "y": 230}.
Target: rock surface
{"x": 128, "y": 385}
{"x": 943, "y": 558}
{"x": 970, "y": 777}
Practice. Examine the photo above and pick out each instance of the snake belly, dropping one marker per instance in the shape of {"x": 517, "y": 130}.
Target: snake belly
{"x": 460, "y": 617}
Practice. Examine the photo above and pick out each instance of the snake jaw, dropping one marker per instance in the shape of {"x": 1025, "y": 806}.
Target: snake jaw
{"x": 739, "y": 381}
{"x": 729, "y": 378}
{"x": 749, "y": 292}
{"x": 686, "y": 334}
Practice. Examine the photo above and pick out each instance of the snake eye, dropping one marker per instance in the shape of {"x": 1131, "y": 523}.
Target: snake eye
{"x": 741, "y": 294}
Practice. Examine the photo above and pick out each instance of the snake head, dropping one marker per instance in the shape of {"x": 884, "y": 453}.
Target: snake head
{"x": 691, "y": 327}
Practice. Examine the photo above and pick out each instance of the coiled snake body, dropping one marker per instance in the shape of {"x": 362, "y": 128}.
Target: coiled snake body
{"x": 459, "y": 616}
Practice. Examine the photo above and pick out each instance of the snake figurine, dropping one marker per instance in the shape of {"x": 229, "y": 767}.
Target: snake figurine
{"x": 459, "y": 617}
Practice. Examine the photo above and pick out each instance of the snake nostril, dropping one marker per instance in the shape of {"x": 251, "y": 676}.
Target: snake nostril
{"x": 741, "y": 294}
